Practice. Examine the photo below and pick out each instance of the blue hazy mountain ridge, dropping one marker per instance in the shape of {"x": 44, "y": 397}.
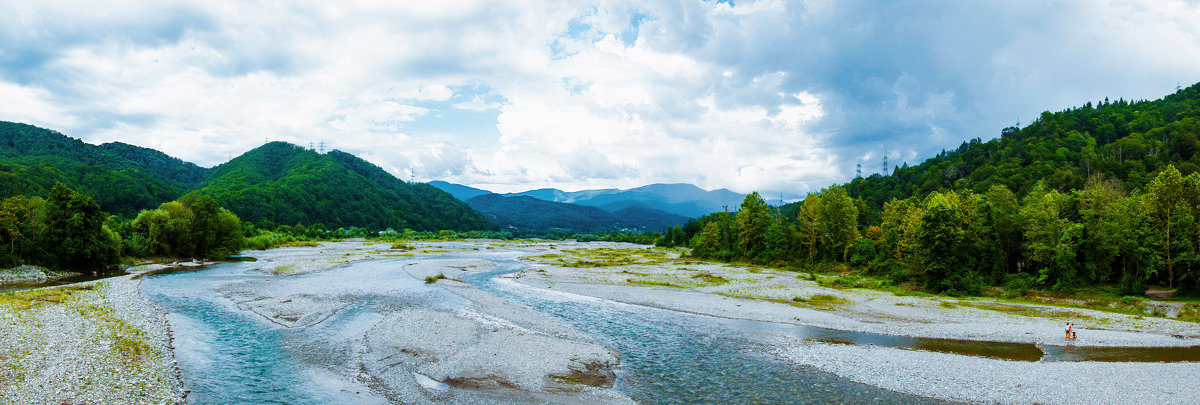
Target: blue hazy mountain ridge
{"x": 459, "y": 191}
{"x": 680, "y": 198}
{"x": 526, "y": 214}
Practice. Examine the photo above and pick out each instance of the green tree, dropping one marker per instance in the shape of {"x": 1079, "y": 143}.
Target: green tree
{"x": 1002, "y": 210}
{"x": 753, "y": 219}
{"x": 837, "y": 221}
{"x": 942, "y": 235}
{"x": 1043, "y": 224}
{"x": 810, "y": 234}
{"x": 75, "y": 228}
{"x": 1163, "y": 197}
{"x": 1099, "y": 211}
{"x": 708, "y": 241}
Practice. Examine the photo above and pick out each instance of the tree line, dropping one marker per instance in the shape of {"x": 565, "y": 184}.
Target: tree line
{"x": 958, "y": 242}
{"x": 68, "y": 231}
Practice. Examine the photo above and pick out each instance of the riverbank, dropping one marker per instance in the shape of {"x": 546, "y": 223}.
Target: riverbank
{"x": 94, "y": 342}
{"x": 643, "y": 276}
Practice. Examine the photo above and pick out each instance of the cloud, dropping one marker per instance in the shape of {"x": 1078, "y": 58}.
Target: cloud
{"x": 766, "y": 95}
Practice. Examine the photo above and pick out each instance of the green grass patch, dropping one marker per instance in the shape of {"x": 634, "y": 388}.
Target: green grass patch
{"x": 606, "y": 257}
{"x": 710, "y": 278}
{"x": 819, "y": 301}
{"x": 294, "y": 243}
{"x": 30, "y": 299}
{"x": 1022, "y": 310}
{"x": 434, "y": 279}
{"x": 848, "y": 281}
{"x": 651, "y": 283}
{"x": 289, "y": 269}
{"x": 128, "y": 340}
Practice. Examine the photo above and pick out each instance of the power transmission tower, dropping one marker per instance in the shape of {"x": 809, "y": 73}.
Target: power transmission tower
{"x": 412, "y": 175}
{"x": 858, "y": 169}
{"x": 885, "y": 166}
{"x": 321, "y": 147}
{"x": 310, "y": 145}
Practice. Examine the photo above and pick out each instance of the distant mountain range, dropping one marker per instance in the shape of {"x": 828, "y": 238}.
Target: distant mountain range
{"x": 680, "y": 199}
{"x": 459, "y": 191}
{"x": 287, "y": 184}
{"x": 525, "y": 214}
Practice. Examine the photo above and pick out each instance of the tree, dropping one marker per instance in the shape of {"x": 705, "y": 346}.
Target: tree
{"x": 942, "y": 235}
{"x": 1163, "y": 196}
{"x": 837, "y": 221}
{"x": 810, "y": 233}
{"x": 1002, "y": 209}
{"x": 708, "y": 241}
{"x": 1099, "y": 211}
{"x": 75, "y": 227}
{"x": 1042, "y": 223}
{"x": 753, "y": 219}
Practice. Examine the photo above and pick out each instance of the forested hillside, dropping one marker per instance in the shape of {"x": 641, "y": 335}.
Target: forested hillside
{"x": 121, "y": 178}
{"x": 1106, "y": 194}
{"x": 287, "y": 184}
{"x": 1126, "y": 141}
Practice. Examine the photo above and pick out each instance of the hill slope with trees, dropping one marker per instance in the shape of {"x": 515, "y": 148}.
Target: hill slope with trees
{"x": 122, "y": 179}
{"x": 287, "y": 184}
{"x": 1104, "y": 195}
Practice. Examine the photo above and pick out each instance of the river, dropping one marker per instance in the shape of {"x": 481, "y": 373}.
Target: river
{"x": 228, "y": 355}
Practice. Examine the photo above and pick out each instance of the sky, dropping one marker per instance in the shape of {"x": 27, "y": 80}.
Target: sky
{"x": 773, "y": 96}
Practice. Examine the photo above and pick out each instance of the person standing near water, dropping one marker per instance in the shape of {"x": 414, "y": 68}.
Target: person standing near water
{"x": 1068, "y": 329}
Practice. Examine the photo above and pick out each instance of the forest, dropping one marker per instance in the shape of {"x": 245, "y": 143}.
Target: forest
{"x": 68, "y": 231}
{"x": 1105, "y": 195}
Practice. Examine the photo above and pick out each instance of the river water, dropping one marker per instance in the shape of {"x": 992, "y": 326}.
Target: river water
{"x": 228, "y": 355}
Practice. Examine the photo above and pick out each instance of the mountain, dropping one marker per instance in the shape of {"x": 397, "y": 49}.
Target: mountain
{"x": 680, "y": 199}
{"x": 185, "y": 175}
{"x": 122, "y": 178}
{"x": 459, "y": 191}
{"x": 1125, "y": 140}
{"x": 288, "y": 184}
{"x": 649, "y": 219}
{"x": 526, "y": 214}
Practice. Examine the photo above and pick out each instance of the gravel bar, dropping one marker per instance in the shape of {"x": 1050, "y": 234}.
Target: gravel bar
{"x": 97, "y": 342}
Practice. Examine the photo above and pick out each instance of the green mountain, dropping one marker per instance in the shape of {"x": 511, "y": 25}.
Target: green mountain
{"x": 1128, "y": 141}
{"x": 122, "y": 178}
{"x": 185, "y": 175}
{"x": 286, "y": 184}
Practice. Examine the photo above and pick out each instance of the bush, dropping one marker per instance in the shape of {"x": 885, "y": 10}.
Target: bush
{"x": 864, "y": 250}
{"x": 1019, "y": 282}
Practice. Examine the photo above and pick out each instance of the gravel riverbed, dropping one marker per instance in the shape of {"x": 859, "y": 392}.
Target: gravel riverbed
{"x": 98, "y": 342}
{"x": 767, "y": 295}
